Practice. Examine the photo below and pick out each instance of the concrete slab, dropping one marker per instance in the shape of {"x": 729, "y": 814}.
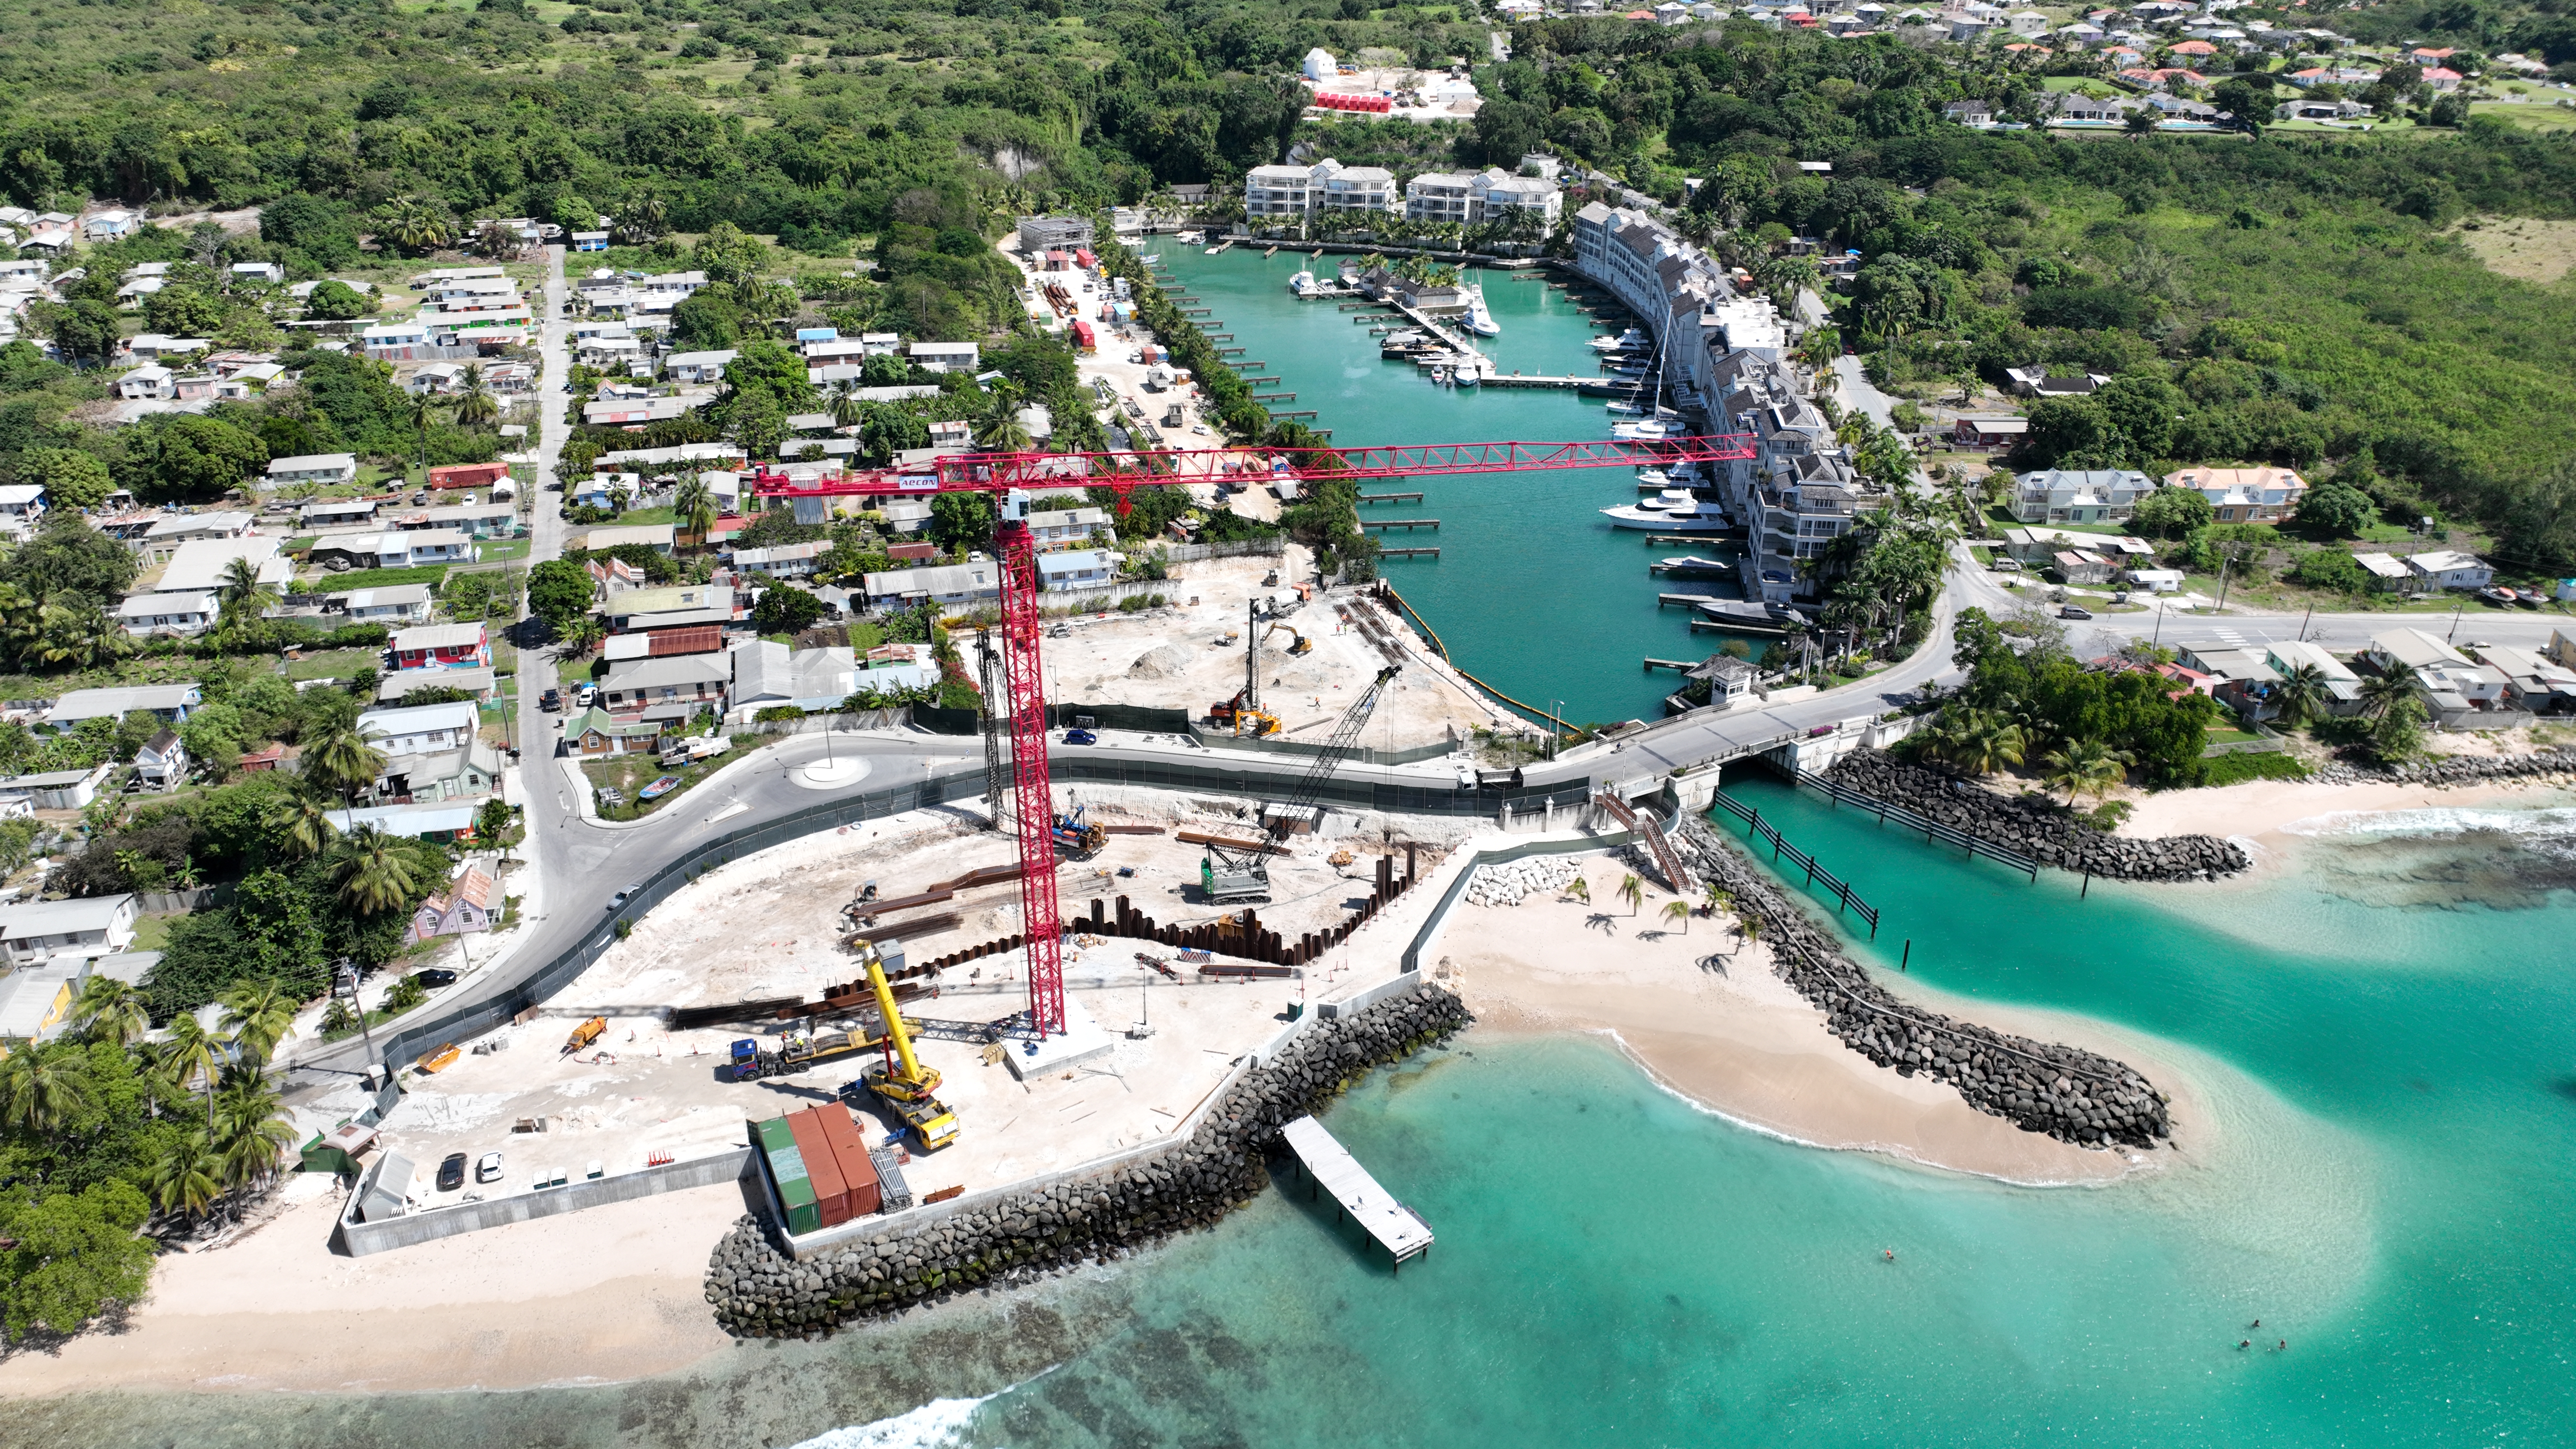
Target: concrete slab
{"x": 1083, "y": 1041}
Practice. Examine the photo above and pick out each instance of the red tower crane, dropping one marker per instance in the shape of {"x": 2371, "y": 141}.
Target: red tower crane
{"x": 1010, "y": 475}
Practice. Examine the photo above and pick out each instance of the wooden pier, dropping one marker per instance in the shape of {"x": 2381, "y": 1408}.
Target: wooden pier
{"x": 1687, "y": 601}
{"x": 1196, "y": 311}
{"x": 1330, "y": 1167}
{"x": 1712, "y": 626}
{"x": 1674, "y": 664}
{"x": 1274, "y": 397}
{"x": 1408, "y": 553}
{"x": 1389, "y": 497}
{"x": 1305, "y": 413}
{"x": 1407, "y": 524}
{"x": 1232, "y": 351}
{"x": 1253, "y": 364}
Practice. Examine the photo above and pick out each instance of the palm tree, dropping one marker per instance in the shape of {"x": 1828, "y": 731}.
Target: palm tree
{"x": 242, "y": 592}
{"x": 2382, "y": 690}
{"x": 695, "y": 502}
{"x": 1580, "y": 889}
{"x": 183, "y": 1180}
{"x": 40, "y": 1087}
{"x": 194, "y": 1052}
{"x": 302, "y": 824}
{"x": 1980, "y": 741}
{"x": 250, "y": 1131}
{"x": 1717, "y": 899}
{"x": 1678, "y": 911}
{"x": 2085, "y": 767}
{"x": 340, "y": 759}
{"x": 477, "y": 407}
{"x": 2302, "y": 694}
{"x": 1633, "y": 891}
{"x": 111, "y": 1010}
{"x": 414, "y": 223}
{"x": 421, "y": 409}
{"x": 1001, "y": 431}
{"x": 21, "y": 621}
{"x": 372, "y": 874}
{"x": 847, "y": 411}
{"x": 258, "y": 1014}
{"x": 82, "y": 637}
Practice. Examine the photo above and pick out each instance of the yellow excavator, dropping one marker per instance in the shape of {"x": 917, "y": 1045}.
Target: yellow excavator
{"x": 1297, "y": 643}
{"x": 904, "y": 1083}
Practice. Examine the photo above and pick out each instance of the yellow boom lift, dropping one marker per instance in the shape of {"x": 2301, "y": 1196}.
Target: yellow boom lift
{"x": 904, "y": 1083}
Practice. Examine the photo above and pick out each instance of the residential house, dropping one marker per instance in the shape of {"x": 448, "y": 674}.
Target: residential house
{"x": 1969, "y": 113}
{"x": 2074, "y": 567}
{"x": 162, "y": 541}
{"x": 784, "y": 561}
{"x": 420, "y": 729}
{"x": 2036, "y": 381}
{"x": 2531, "y": 681}
{"x": 2388, "y": 574}
{"x": 440, "y": 821}
{"x": 21, "y": 505}
{"x": 675, "y": 606}
{"x": 1989, "y": 434}
{"x": 33, "y": 933}
{"x": 945, "y": 356}
{"x": 162, "y": 763}
{"x": 465, "y": 772}
{"x": 55, "y": 789}
{"x": 478, "y": 684}
{"x": 2455, "y": 688}
{"x": 400, "y": 549}
{"x": 2312, "y": 110}
{"x": 108, "y": 225}
{"x": 262, "y": 760}
{"x": 398, "y": 605}
{"x": 1069, "y": 528}
{"x": 147, "y": 383}
{"x": 590, "y": 241}
{"x": 674, "y": 687}
{"x": 477, "y": 521}
{"x": 465, "y": 905}
{"x": 2343, "y": 687}
{"x": 180, "y": 614}
{"x": 442, "y": 646}
{"x": 161, "y": 347}
{"x": 767, "y": 674}
{"x": 2078, "y": 495}
{"x": 170, "y": 702}
{"x": 2263, "y": 494}
{"x": 2450, "y": 569}
{"x": 596, "y": 732}
{"x": 967, "y": 583}
{"x": 2245, "y": 679}
{"x": 658, "y": 537}
{"x": 1077, "y": 568}
{"x": 36, "y": 1000}
{"x": 322, "y": 468}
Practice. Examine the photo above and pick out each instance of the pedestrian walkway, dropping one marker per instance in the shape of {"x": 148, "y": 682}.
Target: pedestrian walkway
{"x": 1330, "y": 1166}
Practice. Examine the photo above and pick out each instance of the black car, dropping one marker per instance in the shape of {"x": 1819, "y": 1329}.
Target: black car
{"x": 551, "y": 701}
{"x": 451, "y": 1172}
{"x": 2072, "y": 611}
{"x": 435, "y": 976}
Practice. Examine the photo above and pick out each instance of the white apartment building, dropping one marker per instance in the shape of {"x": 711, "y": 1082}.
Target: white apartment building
{"x": 1448, "y": 196}
{"x": 1439, "y": 196}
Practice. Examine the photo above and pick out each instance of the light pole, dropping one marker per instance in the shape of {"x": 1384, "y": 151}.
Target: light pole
{"x": 345, "y": 974}
{"x": 1555, "y": 724}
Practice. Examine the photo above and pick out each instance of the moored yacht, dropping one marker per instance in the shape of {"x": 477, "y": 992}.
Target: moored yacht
{"x": 1673, "y": 510}
{"x": 1628, "y": 341}
{"x": 1479, "y": 320}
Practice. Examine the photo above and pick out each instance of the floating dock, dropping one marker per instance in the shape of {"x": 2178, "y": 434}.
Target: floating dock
{"x": 1330, "y": 1166}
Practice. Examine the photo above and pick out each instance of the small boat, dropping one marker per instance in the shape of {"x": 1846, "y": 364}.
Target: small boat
{"x": 1628, "y": 341}
{"x": 659, "y": 788}
{"x": 2499, "y": 594}
{"x": 1302, "y": 284}
{"x": 1154, "y": 259}
{"x": 1468, "y": 376}
{"x": 1191, "y": 238}
{"x": 1479, "y": 320}
{"x": 1647, "y": 429}
{"x": 1653, "y": 478}
{"x": 1691, "y": 566}
{"x": 1672, "y": 511}
{"x": 1625, "y": 410}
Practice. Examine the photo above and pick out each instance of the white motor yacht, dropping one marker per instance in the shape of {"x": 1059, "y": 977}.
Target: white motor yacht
{"x": 1479, "y": 320}
{"x": 1646, "y": 428}
{"x": 1628, "y": 341}
{"x": 1672, "y": 511}
{"x": 1302, "y": 284}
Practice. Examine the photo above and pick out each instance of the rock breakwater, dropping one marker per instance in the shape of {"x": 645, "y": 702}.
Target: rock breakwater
{"x": 2554, "y": 765}
{"x": 2066, "y": 1092}
{"x": 759, "y": 1291}
{"x": 2034, "y": 827}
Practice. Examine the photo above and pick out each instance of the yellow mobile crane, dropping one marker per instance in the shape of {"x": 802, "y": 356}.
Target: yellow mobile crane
{"x": 905, "y": 1084}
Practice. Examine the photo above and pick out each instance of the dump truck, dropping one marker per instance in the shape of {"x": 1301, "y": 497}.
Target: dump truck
{"x": 584, "y": 1034}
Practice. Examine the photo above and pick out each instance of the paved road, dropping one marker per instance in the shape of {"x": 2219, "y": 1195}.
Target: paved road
{"x": 1854, "y": 385}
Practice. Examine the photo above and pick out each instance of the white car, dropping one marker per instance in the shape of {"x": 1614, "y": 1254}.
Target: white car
{"x": 489, "y": 1168}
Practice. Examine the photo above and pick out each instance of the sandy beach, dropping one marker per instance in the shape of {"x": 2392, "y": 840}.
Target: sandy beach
{"x": 1703, "y": 1014}
{"x": 518, "y": 1309}
{"x": 2259, "y": 810}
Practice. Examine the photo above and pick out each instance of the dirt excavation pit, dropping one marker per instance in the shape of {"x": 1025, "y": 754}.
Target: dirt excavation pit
{"x": 1180, "y": 657}
{"x": 770, "y": 925}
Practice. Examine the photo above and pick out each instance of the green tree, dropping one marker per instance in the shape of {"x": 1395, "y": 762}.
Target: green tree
{"x": 183, "y": 1177}
{"x": 70, "y": 1256}
{"x": 71, "y": 477}
{"x": 695, "y": 503}
{"x": 257, "y": 1015}
{"x": 242, "y": 593}
{"x": 2302, "y": 694}
{"x": 785, "y": 609}
{"x": 192, "y": 458}
{"x": 559, "y": 591}
{"x": 69, "y": 556}
{"x": 962, "y": 520}
{"x": 182, "y": 312}
{"x": 339, "y": 759}
{"x": 42, "y": 1086}
{"x": 414, "y": 224}
{"x": 2174, "y": 512}
{"x": 707, "y": 321}
{"x": 336, "y": 301}
{"x": 301, "y": 824}
{"x": 110, "y": 1010}
{"x": 2382, "y": 692}
{"x": 1633, "y": 891}
{"x": 2339, "y": 509}
{"x": 1678, "y": 911}
{"x": 372, "y": 873}
{"x": 2085, "y": 767}
{"x": 2399, "y": 734}
{"x": 87, "y": 332}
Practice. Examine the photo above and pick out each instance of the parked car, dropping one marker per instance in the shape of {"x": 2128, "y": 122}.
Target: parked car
{"x": 435, "y": 976}
{"x": 2074, "y": 611}
{"x": 622, "y": 897}
{"x": 489, "y": 1169}
{"x": 551, "y": 701}
{"x": 451, "y": 1172}
{"x": 1080, "y": 737}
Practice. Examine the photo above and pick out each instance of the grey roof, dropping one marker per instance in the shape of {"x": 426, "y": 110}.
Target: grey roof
{"x": 437, "y": 636}
{"x": 113, "y": 703}
{"x": 472, "y": 681}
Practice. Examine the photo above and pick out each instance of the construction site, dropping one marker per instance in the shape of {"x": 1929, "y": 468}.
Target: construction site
{"x": 1254, "y": 635}
{"x": 764, "y": 951}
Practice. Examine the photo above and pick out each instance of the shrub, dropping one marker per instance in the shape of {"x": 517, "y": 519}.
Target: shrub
{"x": 2236, "y": 769}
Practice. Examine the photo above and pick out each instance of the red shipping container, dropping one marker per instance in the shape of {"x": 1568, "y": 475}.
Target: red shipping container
{"x": 850, "y": 1154}
{"x": 831, "y": 1190}
{"x": 468, "y": 475}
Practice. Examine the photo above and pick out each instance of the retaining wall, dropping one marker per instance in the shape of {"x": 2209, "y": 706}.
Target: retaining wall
{"x": 358, "y": 1239}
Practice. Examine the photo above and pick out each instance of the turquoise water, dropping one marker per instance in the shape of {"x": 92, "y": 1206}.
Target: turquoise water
{"x": 1533, "y": 592}
{"x": 2380, "y": 1129}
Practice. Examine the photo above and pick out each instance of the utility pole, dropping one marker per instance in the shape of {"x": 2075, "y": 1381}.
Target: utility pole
{"x": 2224, "y": 559}
{"x": 2455, "y": 619}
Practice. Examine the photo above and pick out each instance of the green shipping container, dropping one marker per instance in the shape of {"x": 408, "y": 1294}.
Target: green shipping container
{"x": 788, "y": 1176}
